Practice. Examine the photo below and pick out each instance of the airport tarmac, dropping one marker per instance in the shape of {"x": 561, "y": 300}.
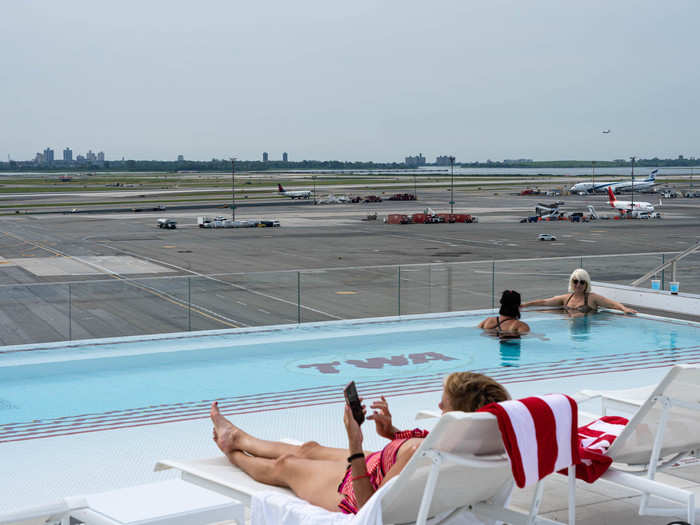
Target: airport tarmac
{"x": 95, "y": 275}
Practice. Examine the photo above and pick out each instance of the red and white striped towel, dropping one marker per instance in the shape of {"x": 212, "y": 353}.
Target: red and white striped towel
{"x": 539, "y": 434}
{"x": 595, "y": 439}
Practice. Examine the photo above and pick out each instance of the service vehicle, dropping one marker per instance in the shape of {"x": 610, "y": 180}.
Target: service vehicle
{"x": 546, "y": 237}
{"x": 168, "y": 224}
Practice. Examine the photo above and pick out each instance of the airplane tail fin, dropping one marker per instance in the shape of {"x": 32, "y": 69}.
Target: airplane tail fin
{"x": 611, "y": 195}
{"x": 652, "y": 175}
{"x": 280, "y": 188}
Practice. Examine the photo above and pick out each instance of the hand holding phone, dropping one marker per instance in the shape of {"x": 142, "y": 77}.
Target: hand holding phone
{"x": 353, "y": 400}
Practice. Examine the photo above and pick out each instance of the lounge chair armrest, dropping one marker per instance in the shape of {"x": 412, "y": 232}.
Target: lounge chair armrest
{"x": 428, "y": 414}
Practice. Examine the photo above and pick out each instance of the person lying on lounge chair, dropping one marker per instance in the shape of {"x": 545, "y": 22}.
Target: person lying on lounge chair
{"x": 343, "y": 479}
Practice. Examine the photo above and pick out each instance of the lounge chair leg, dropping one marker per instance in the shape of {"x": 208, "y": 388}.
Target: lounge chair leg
{"x": 572, "y": 494}
{"x": 536, "y": 500}
{"x": 430, "y": 485}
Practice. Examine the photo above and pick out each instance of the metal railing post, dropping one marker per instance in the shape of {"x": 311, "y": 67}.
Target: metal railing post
{"x": 663, "y": 274}
{"x": 398, "y": 290}
{"x": 580, "y": 262}
{"x": 493, "y": 284}
{"x": 70, "y": 313}
{"x": 298, "y": 297}
{"x": 189, "y": 304}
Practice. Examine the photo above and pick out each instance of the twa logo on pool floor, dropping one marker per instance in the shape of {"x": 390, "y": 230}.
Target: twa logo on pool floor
{"x": 376, "y": 363}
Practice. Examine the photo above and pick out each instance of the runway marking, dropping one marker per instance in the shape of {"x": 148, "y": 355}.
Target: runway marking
{"x": 242, "y": 303}
{"x": 263, "y": 311}
{"x": 341, "y": 292}
{"x": 586, "y": 240}
{"x": 169, "y": 246}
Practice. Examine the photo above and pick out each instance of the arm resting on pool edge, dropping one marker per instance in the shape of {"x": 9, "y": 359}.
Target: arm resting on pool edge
{"x": 557, "y": 300}
{"x": 609, "y": 303}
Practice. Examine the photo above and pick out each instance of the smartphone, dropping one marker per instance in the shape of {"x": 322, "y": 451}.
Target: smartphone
{"x": 352, "y": 399}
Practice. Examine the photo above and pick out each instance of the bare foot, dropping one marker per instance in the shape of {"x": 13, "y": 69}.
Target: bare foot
{"x": 225, "y": 433}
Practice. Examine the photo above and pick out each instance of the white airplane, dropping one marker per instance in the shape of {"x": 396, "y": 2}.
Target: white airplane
{"x": 590, "y": 187}
{"x": 641, "y": 185}
{"x": 628, "y": 206}
{"x": 302, "y": 194}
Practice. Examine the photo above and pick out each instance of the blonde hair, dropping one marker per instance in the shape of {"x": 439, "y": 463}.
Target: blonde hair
{"x": 581, "y": 275}
{"x": 469, "y": 391}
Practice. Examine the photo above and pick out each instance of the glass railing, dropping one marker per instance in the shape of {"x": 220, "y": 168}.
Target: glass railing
{"x": 34, "y": 313}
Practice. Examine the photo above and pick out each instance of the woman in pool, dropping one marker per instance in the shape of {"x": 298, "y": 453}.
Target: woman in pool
{"x": 343, "y": 479}
{"x": 580, "y": 299}
{"x": 508, "y": 320}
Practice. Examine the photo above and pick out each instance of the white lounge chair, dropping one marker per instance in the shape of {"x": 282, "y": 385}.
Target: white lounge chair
{"x": 58, "y": 512}
{"x": 460, "y": 465}
{"x": 170, "y": 502}
{"x": 664, "y": 428}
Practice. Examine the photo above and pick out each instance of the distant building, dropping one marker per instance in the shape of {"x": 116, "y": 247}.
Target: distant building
{"x": 180, "y": 158}
{"x": 38, "y": 158}
{"x": 48, "y": 156}
{"x": 101, "y": 156}
{"x": 265, "y": 156}
{"x": 91, "y": 157}
{"x": 517, "y": 161}
{"x": 442, "y": 160}
{"x": 285, "y": 157}
{"x": 80, "y": 158}
{"x": 418, "y": 160}
{"x": 68, "y": 155}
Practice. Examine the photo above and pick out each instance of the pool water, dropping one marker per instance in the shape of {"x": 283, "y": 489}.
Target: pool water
{"x": 51, "y": 390}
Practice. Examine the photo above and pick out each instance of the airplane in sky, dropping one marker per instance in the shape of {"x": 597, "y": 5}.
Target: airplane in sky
{"x": 641, "y": 185}
{"x": 301, "y": 194}
{"x": 606, "y": 131}
{"x": 629, "y": 206}
{"x": 591, "y": 187}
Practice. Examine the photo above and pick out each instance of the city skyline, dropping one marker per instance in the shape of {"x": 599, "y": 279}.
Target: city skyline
{"x": 371, "y": 81}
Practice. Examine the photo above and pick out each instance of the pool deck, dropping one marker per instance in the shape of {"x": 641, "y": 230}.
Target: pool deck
{"x": 46, "y": 469}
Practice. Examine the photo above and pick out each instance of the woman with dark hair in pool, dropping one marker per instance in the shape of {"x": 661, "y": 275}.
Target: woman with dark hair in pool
{"x": 343, "y": 479}
{"x": 580, "y": 300}
{"x": 508, "y": 319}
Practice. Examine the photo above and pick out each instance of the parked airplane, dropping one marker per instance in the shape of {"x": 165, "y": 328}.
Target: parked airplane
{"x": 302, "y": 194}
{"x": 627, "y": 206}
{"x": 590, "y": 187}
{"x": 641, "y": 185}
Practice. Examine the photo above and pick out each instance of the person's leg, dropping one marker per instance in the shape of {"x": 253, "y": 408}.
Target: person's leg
{"x": 315, "y": 481}
{"x": 230, "y": 438}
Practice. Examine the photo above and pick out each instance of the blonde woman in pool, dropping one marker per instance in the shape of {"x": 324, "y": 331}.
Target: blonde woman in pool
{"x": 580, "y": 299}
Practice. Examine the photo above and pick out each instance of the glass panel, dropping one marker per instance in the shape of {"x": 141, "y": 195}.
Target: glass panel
{"x": 445, "y": 287}
{"x": 238, "y": 300}
{"x": 128, "y": 307}
{"x": 534, "y": 279}
{"x": 349, "y": 293}
{"x": 621, "y": 269}
{"x": 33, "y": 314}
{"x": 687, "y": 273}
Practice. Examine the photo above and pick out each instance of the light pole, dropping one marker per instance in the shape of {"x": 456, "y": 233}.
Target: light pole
{"x": 313, "y": 177}
{"x": 415, "y": 187}
{"x": 593, "y": 187}
{"x": 632, "y": 158}
{"x": 452, "y": 185}
{"x": 233, "y": 188}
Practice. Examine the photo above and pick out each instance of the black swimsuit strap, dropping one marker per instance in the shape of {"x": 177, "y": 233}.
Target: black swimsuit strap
{"x": 569, "y": 299}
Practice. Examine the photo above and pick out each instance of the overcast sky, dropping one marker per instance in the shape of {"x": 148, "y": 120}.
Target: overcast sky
{"x": 361, "y": 80}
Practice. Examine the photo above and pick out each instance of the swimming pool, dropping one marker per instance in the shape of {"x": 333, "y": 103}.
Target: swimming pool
{"x": 62, "y": 389}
